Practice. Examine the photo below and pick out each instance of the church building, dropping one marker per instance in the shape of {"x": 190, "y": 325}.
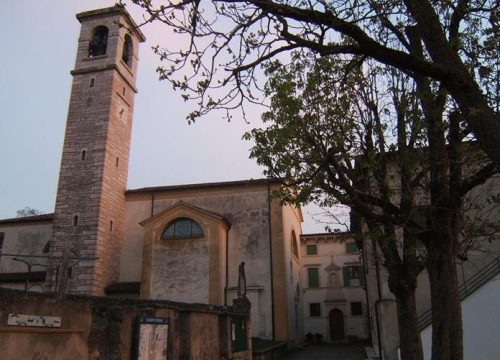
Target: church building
{"x": 182, "y": 243}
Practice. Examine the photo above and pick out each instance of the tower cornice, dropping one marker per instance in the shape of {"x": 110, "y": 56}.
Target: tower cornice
{"x": 118, "y": 9}
{"x": 104, "y": 68}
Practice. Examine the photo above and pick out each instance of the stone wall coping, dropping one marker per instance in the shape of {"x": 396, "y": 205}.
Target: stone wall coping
{"x": 14, "y": 277}
{"x": 35, "y": 218}
{"x": 269, "y": 348}
{"x": 103, "y": 301}
{"x": 248, "y": 182}
{"x": 32, "y": 330}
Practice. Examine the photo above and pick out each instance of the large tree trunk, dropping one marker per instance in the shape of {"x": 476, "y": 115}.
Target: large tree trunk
{"x": 447, "y": 337}
{"x": 402, "y": 283}
{"x": 409, "y": 336}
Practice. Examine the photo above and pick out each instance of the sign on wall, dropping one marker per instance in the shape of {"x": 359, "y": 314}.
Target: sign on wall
{"x": 152, "y": 338}
{"x": 33, "y": 320}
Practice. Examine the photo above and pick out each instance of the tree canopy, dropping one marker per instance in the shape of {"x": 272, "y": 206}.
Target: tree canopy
{"x": 28, "y": 211}
{"x": 338, "y": 131}
{"x": 374, "y": 140}
{"x": 452, "y": 42}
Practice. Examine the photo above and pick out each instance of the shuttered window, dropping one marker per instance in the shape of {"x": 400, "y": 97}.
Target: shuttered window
{"x": 353, "y": 275}
{"x": 356, "y": 308}
{"x": 315, "y": 309}
{"x": 311, "y": 249}
{"x": 313, "y": 277}
{"x": 351, "y": 248}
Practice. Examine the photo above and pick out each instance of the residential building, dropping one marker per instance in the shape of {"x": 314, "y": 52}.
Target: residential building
{"x": 334, "y": 290}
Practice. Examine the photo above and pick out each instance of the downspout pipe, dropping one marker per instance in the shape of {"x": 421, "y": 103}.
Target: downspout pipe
{"x": 152, "y": 204}
{"x": 271, "y": 256}
{"x": 379, "y": 293}
{"x": 367, "y": 297}
{"x": 227, "y": 267}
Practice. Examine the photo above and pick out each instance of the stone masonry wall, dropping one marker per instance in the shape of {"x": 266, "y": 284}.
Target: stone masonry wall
{"x": 105, "y": 328}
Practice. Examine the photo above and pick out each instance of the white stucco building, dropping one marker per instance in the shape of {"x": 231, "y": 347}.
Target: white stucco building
{"x": 334, "y": 294}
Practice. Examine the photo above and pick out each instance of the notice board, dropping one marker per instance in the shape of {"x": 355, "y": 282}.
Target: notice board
{"x": 152, "y": 338}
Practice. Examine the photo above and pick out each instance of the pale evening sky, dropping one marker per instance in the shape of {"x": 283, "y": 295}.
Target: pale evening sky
{"x": 38, "y": 52}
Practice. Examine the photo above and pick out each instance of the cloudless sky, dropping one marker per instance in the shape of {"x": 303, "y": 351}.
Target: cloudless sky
{"x": 39, "y": 39}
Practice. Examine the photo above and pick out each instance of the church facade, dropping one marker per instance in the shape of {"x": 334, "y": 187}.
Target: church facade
{"x": 182, "y": 243}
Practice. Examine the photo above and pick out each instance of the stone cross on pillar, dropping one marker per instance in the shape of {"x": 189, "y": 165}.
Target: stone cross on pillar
{"x": 242, "y": 281}
{"x": 241, "y": 304}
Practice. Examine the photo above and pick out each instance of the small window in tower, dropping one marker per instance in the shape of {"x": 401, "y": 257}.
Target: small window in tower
{"x": 99, "y": 42}
{"x": 83, "y": 155}
{"x": 127, "y": 50}
{"x": 123, "y": 91}
{"x": 111, "y": 226}
{"x": 75, "y": 220}
{"x": 117, "y": 162}
{"x": 92, "y": 82}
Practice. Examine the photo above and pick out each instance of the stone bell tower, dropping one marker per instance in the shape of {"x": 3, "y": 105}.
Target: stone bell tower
{"x": 89, "y": 212}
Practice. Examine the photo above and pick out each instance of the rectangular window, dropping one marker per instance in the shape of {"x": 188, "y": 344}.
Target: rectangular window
{"x": 311, "y": 250}
{"x": 351, "y": 248}
{"x": 353, "y": 275}
{"x": 356, "y": 308}
{"x": 313, "y": 277}
{"x": 315, "y": 309}
{"x": 353, "y": 272}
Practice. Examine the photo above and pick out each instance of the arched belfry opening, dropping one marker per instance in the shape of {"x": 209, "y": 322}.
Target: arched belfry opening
{"x": 128, "y": 50}
{"x": 99, "y": 41}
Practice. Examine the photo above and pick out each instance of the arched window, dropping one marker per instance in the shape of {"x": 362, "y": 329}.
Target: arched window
{"x": 99, "y": 42}
{"x": 182, "y": 228}
{"x": 294, "y": 246}
{"x": 128, "y": 50}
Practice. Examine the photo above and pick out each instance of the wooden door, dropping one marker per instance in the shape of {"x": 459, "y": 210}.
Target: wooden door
{"x": 336, "y": 325}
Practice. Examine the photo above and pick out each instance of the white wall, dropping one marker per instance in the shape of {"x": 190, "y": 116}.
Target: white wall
{"x": 481, "y": 323}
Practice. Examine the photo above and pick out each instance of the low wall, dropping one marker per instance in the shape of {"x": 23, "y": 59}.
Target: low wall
{"x": 108, "y": 328}
{"x": 272, "y": 353}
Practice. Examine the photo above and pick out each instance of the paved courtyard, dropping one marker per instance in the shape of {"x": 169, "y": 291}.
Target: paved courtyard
{"x": 329, "y": 352}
